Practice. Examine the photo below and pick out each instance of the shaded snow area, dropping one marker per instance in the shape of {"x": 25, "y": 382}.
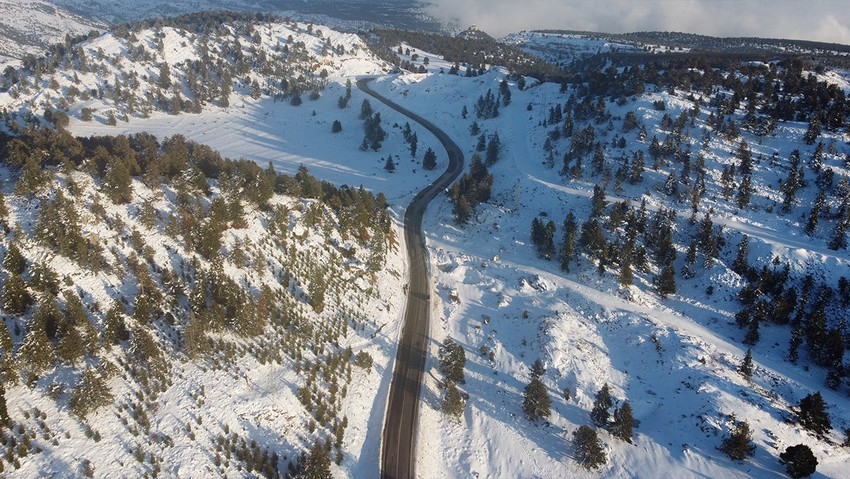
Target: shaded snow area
{"x": 674, "y": 359}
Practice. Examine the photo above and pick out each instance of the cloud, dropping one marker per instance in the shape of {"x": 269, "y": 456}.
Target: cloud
{"x": 821, "y": 20}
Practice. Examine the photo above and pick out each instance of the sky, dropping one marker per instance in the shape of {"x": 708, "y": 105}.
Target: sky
{"x": 820, "y": 20}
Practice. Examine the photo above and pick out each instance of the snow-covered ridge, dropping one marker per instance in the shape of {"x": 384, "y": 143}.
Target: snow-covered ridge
{"x": 29, "y": 26}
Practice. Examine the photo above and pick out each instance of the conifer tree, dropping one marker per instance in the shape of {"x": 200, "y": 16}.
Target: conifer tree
{"x": 6, "y": 343}
{"x": 5, "y": 420}
{"x": 453, "y": 403}
{"x": 745, "y": 192}
{"x": 746, "y": 367}
{"x": 567, "y": 251}
{"x": 665, "y": 282}
{"x": 452, "y": 361}
{"x": 753, "y": 335}
{"x": 814, "y": 215}
{"x": 36, "y": 351}
{"x": 740, "y": 265}
{"x": 71, "y": 347}
{"x": 117, "y": 182}
{"x": 429, "y": 161}
{"x": 194, "y": 336}
{"x": 365, "y": 110}
{"x": 588, "y": 448}
{"x": 318, "y": 464}
{"x": 813, "y": 415}
{"x": 738, "y": 444}
{"x": 599, "y": 414}
{"x": 390, "y": 164}
{"x": 626, "y": 275}
{"x": 14, "y": 261}
{"x": 623, "y": 422}
{"x": 536, "y": 402}
{"x": 839, "y": 234}
{"x": 114, "y": 328}
{"x": 16, "y": 298}
{"x": 799, "y": 461}
{"x": 92, "y": 392}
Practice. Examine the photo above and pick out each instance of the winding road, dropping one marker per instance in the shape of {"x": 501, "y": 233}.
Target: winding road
{"x": 398, "y": 452}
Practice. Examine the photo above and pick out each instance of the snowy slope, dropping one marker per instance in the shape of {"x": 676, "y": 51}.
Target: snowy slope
{"x": 674, "y": 359}
{"x": 29, "y": 26}
{"x": 563, "y": 48}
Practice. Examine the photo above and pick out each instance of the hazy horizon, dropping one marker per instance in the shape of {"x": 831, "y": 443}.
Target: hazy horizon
{"x": 817, "y": 20}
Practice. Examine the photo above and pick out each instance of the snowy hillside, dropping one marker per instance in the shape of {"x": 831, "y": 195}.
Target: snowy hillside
{"x": 250, "y": 400}
{"x": 675, "y": 360}
{"x": 643, "y": 229}
{"x": 29, "y": 26}
{"x": 563, "y": 48}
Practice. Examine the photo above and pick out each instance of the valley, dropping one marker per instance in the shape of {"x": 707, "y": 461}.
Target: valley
{"x": 244, "y": 199}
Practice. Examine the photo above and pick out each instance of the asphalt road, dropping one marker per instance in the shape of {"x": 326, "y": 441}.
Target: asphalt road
{"x": 398, "y": 452}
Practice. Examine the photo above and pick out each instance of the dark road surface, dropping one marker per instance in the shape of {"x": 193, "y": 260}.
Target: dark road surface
{"x": 398, "y": 452}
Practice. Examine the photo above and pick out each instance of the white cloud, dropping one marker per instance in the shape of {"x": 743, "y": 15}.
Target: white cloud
{"x": 821, "y": 20}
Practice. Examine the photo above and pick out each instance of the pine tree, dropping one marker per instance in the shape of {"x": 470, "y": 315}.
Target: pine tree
{"x": 36, "y": 351}
{"x": 429, "y": 161}
{"x": 626, "y": 275}
{"x": 452, "y": 361}
{"x": 336, "y": 127}
{"x": 740, "y": 265}
{"x": 599, "y": 414}
{"x": 746, "y": 367}
{"x": 453, "y": 403}
{"x": 745, "y": 191}
{"x": 71, "y": 347}
{"x": 6, "y": 343}
{"x": 799, "y": 461}
{"x": 738, "y": 444}
{"x": 462, "y": 211}
{"x": 164, "y": 81}
{"x": 365, "y": 110}
{"x": 390, "y": 164}
{"x": 814, "y": 215}
{"x": 623, "y": 422}
{"x": 536, "y": 402}
{"x": 16, "y": 298}
{"x": 813, "y": 415}
{"x": 753, "y": 335}
{"x": 5, "y": 420}
{"x": 14, "y": 261}
{"x": 665, "y": 282}
{"x": 194, "y": 336}
{"x": 318, "y": 464}
{"x": 567, "y": 251}
{"x": 588, "y": 448}
{"x": 114, "y": 329}
{"x": 598, "y": 202}
{"x": 91, "y": 393}
{"x": 839, "y": 234}
{"x": 117, "y": 182}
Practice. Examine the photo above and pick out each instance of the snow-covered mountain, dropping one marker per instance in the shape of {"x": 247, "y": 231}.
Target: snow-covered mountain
{"x": 678, "y": 152}
{"x": 30, "y": 26}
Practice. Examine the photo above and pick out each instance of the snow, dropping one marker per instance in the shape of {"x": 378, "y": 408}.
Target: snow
{"x": 674, "y": 360}
{"x": 28, "y": 26}
{"x": 589, "y": 331}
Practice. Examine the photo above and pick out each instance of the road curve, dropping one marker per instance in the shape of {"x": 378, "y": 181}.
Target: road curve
{"x": 398, "y": 452}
